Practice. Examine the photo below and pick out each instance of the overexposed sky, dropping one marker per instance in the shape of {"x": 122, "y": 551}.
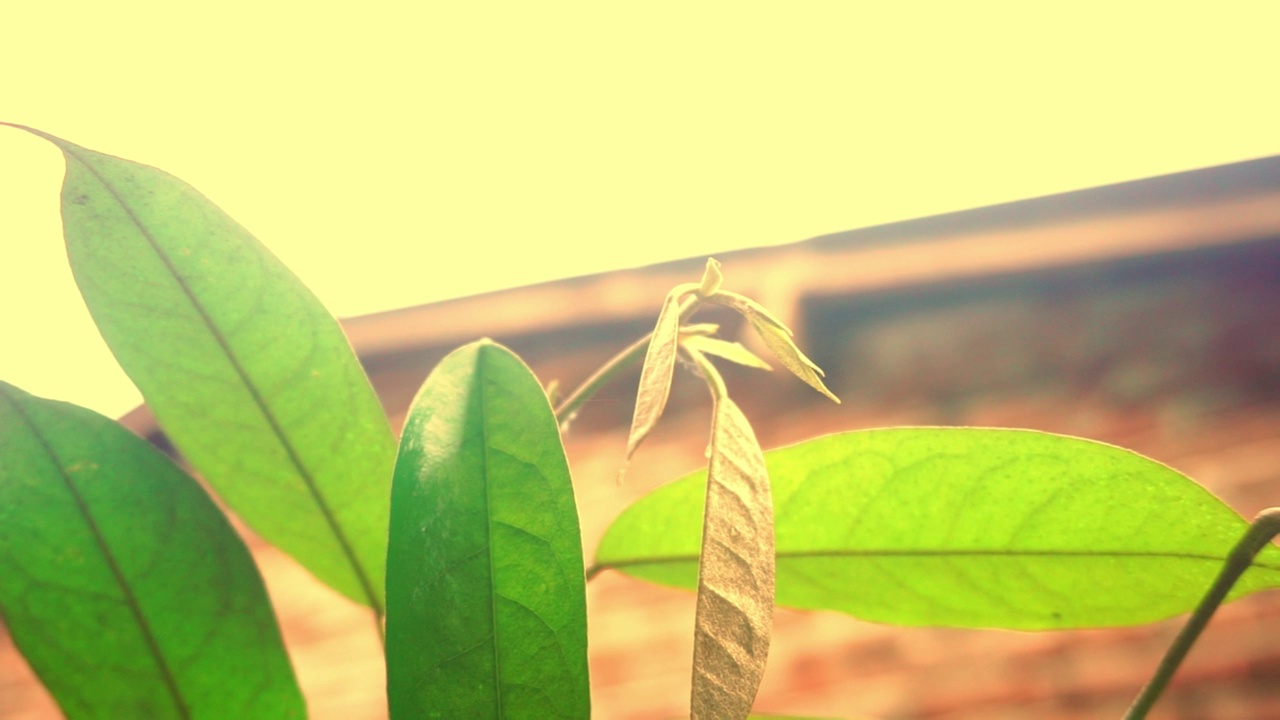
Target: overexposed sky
{"x": 395, "y": 153}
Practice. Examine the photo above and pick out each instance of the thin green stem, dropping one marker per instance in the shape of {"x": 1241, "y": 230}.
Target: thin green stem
{"x": 574, "y": 402}
{"x": 633, "y": 354}
{"x": 1264, "y": 528}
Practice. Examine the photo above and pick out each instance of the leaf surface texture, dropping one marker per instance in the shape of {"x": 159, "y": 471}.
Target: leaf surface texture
{"x": 486, "y": 597}
{"x": 123, "y": 584}
{"x": 964, "y": 527}
{"x": 245, "y": 370}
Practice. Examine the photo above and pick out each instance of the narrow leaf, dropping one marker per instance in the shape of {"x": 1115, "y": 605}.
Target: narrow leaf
{"x": 659, "y": 367}
{"x": 120, "y": 580}
{"x": 698, "y": 329}
{"x": 966, "y": 528}
{"x": 244, "y": 368}
{"x": 731, "y": 351}
{"x": 486, "y": 603}
{"x": 734, "y": 613}
{"x": 778, "y": 338}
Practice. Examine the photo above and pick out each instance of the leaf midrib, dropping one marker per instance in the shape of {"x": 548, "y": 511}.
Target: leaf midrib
{"x": 131, "y": 600}
{"x": 488, "y": 523}
{"x": 933, "y": 553}
{"x": 366, "y": 585}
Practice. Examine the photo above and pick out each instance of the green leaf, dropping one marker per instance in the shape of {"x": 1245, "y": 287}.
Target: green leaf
{"x": 486, "y": 603}
{"x": 659, "y": 367}
{"x": 246, "y": 371}
{"x": 120, "y": 580}
{"x": 731, "y": 351}
{"x": 777, "y": 337}
{"x": 734, "y": 617}
{"x": 965, "y": 528}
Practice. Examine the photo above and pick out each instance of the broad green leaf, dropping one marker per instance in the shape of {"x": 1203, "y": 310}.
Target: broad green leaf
{"x": 486, "y": 602}
{"x": 965, "y": 527}
{"x": 659, "y": 367}
{"x": 777, "y": 337}
{"x": 731, "y": 351}
{"x": 244, "y": 368}
{"x": 120, "y": 580}
{"x": 734, "y": 615}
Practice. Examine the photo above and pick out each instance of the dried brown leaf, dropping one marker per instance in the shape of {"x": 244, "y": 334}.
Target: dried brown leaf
{"x": 731, "y": 351}
{"x": 777, "y": 337}
{"x": 736, "y": 573}
{"x": 659, "y": 366}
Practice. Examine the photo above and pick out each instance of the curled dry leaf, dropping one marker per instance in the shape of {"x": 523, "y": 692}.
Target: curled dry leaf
{"x": 712, "y": 279}
{"x": 659, "y": 366}
{"x": 731, "y": 351}
{"x": 736, "y": 576}
{"x": 777, "y": 337}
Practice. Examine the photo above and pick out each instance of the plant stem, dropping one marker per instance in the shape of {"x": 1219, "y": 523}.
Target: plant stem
{"x": 633, "y": 354}
{"x": 1264, "y": 528}
{"x": 571, "y": 404}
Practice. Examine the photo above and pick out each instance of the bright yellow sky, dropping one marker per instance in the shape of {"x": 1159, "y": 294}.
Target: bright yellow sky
{"x": 398, "y": 153}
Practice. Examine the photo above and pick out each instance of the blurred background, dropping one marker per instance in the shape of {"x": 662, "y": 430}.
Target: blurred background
{"x": 1064, "y": 220}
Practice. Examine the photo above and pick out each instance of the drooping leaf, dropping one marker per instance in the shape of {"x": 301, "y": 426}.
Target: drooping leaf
{"x": 733, "y": 621}
{"x": 248, "y": 374}
{"x": 731, "y": 351}
{"x": 966, "y": 528}
{"x": 659, "y": 367}
{"x": 486, "y": 604}
{"x": 120, "y": 580}
{"x": 778, "y": 338}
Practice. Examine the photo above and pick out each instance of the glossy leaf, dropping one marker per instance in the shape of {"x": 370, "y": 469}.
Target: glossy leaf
{"x": 965, "y": 527}
{"x": 486, "y": 603}
{"x": 734, "y": 616}
{"x": 778, "y": 338}
{"x": 659, "y": 367}
{"x": 246, "y": 371}
{"x": 121, "y": 581}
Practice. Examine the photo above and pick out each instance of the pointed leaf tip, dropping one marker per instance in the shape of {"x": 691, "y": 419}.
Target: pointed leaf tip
{"x": 486, "y": 598}
{"x": 243, "y": 367}
{"x": 659, "y": 367}
{"x": 787, "y": 353}
{"x": 778, "y": 338}
{"x": 712, "y": 279}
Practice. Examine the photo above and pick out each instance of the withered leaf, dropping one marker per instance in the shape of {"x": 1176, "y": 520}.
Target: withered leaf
{"x": 777, "y": 337}
{"x": 736, "y": 576}
{"x": 731, "y": 351}
{"x": 659, "y": 366}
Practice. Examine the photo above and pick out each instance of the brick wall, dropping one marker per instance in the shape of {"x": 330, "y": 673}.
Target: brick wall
{"x": 1176, "y": 356}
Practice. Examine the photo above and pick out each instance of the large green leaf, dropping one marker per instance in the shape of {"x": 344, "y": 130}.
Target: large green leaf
{"x": 964, "y": 527}
{"x": 248, "y": 374}
{"x": 486, "y": 602}
{"x": 121, "y": 581}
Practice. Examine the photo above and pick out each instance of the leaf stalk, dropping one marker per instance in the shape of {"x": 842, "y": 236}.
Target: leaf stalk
{"x": 1260, "y": 534}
